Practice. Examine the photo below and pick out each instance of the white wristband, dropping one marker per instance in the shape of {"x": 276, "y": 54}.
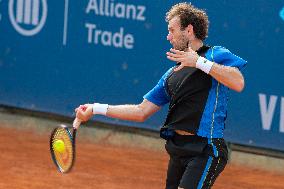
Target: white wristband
{"x": 100, "y": 108}
{"x": 204, "y": 64}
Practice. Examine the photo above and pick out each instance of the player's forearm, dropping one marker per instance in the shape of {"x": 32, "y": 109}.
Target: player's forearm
{"x": 137, "y": 113}
{"x": 229, "y": 76}
{"x": 126, "y": 112}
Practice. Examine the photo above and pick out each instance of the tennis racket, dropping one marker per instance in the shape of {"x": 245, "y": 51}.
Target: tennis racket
{"x": 62, "y": 146}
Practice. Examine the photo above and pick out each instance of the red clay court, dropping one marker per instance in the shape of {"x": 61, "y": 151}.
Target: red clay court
{"x": 26, "y": 164}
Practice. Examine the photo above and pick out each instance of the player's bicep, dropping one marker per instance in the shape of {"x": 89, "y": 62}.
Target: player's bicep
{"x": 148, "y": 108}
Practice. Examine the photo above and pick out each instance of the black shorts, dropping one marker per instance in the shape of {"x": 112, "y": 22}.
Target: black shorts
{"x": 192, "y": 163}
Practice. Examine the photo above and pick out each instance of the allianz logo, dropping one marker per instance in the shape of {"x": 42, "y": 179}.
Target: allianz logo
{"x": 28, "y": 16}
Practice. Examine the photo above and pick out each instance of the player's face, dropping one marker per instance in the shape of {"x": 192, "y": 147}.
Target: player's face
{"x": 177, "y": 37}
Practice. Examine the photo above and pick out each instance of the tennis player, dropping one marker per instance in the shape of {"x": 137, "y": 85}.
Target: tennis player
{"x": 197, "y": 92}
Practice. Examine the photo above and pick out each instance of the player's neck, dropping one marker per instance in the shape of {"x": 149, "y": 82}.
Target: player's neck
{"x": 196, "y": 44}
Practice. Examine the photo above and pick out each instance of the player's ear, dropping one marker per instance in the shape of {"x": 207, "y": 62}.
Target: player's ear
{"x": 190, "y": 32}
{"x": 189, "y": 29}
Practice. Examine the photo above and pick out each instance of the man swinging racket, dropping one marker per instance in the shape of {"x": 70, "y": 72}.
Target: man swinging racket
{"x": 196, "y": 89}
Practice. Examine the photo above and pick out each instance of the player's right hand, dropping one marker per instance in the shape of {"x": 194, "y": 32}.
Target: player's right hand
{"x": 84, "y": 112}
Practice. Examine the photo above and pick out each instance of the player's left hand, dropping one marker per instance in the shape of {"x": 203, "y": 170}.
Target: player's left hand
{"x": 84, "y": 112}
{"x": 187, "y": 58}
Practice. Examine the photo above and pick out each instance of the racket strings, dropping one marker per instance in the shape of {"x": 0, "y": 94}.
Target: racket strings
{"x": 63, "y": 158}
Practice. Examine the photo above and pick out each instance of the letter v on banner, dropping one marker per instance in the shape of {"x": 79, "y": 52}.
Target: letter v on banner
{"x": 267, "y": 111}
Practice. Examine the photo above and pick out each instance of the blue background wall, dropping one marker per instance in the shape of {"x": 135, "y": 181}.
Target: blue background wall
{"x": 57, "y": 68}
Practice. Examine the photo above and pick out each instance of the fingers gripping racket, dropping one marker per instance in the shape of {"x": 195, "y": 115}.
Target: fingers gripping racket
{"x": 62, "y": 146}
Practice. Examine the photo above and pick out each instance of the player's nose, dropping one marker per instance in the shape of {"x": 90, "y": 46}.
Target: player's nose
{"x": 169, "y": 37}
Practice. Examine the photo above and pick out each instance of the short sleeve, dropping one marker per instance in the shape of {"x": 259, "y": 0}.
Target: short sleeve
{"x": 224, "y": 57}
{"x": 158, "y": 94}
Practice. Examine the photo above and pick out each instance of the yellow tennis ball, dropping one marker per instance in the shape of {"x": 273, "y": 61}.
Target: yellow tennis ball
{"x": 59, "y": 146}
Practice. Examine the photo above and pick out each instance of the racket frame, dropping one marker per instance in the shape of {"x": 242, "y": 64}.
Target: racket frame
{"x": 72, "y": 137}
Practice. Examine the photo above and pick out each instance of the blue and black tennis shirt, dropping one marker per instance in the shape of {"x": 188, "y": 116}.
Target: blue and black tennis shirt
{"x": 197, "y": 102}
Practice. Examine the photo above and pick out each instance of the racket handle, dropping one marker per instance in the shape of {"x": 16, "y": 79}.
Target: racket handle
{"x": 76, "y": 123}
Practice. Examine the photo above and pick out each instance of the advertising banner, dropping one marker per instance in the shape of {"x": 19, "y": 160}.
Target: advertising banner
{"x": 56, "y": 55}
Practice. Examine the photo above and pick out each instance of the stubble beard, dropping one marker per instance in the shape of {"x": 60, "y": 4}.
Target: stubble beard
{"x": 182, "y": 44}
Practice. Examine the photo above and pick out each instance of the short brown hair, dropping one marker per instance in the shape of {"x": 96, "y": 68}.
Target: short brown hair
{"x": 189, "y": 14}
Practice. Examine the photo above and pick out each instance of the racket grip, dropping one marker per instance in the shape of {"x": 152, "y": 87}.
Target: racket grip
{"x": 76, "y": 123}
